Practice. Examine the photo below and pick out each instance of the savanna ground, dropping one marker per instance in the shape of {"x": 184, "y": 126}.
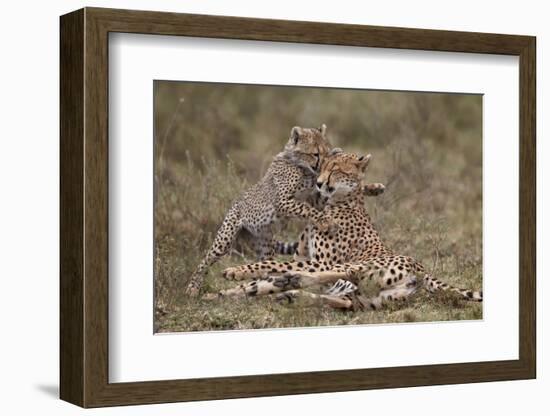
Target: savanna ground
{"x": 214, "y": 140}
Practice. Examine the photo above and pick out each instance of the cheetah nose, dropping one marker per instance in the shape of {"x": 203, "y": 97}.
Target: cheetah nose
{"x": 319, "y": 185}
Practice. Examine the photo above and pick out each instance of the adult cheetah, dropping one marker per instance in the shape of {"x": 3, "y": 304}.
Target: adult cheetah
{"x": 347, "y": 259}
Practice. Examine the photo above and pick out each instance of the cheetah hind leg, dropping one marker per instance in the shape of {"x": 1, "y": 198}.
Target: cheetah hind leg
{"x": 306, "y": 298}
{"x": 265, "y": 285}
{"x": 269, "y": 284}
{"x": 336, "y": 296}
{"x": 264, "y": 244}
{"x": 221, "y": 246}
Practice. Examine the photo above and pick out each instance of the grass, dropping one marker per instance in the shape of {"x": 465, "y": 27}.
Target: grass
{"x": 219, "y": 140}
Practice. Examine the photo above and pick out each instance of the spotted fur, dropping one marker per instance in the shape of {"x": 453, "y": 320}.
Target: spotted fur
{"x": 283, "y": 192}
{"x": 354, "y": 252}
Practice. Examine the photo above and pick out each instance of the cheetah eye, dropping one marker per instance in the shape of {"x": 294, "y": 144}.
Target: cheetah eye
{"x": 331, "y": 188}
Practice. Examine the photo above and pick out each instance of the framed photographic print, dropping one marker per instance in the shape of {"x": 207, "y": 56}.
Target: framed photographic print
{"x": 255, "y": 207}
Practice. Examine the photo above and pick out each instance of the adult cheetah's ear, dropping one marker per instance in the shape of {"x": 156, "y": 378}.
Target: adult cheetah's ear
{"x": 363, "y": 162}
{"x": 295, "y": 134}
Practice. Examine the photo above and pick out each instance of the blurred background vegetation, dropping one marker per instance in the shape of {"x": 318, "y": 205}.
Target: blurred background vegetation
{"x": 214, "y": 140}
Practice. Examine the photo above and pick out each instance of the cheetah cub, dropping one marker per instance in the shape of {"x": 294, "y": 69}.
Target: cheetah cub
{"x": 281, "y": 193}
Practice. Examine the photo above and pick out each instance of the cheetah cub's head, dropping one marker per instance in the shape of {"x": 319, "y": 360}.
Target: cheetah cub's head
{"x": 341, "y": 174}
{"x": 307, "y": 147}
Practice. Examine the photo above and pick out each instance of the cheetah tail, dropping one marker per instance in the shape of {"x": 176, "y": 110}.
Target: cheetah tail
{"x": 283, "y": 247}
{"x": 433, "y": 285}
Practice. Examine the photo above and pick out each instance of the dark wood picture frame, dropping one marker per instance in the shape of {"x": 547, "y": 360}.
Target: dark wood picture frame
{"x": 84, "y": 207}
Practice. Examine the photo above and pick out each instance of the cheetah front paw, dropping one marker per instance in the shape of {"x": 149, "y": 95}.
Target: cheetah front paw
{"x": 374, "y": 189}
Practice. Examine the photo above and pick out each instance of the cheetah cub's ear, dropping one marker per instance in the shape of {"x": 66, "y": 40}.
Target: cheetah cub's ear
{"x": 363, "y": 162}
{"x": 295, "y": 134}
{"x": 335, "y": 151}
{"x": 323, "y": 130}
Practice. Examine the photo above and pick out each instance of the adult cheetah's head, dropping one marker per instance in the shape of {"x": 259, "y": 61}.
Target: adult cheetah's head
{"x": 341, "y": 174}
{"x": 308, "y": 146}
